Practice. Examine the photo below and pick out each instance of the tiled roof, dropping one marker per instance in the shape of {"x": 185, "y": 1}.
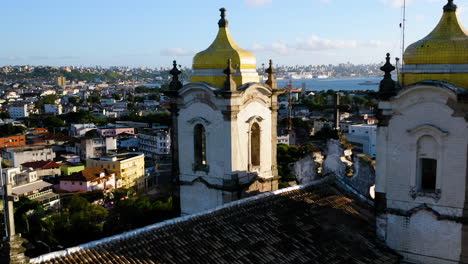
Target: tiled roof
{"x": 43, "y": 164}
{"x": 315, "y": 224}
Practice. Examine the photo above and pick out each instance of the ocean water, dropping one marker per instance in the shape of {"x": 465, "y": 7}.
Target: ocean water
{"x": 334, "y": 83}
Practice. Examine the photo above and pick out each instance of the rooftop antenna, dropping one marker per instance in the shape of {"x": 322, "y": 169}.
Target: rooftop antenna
{"x": 403, "y": 27}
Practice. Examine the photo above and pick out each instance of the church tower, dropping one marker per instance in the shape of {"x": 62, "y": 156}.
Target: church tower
{"x": 225, "y": 126}
{"x": 422, "y": 150}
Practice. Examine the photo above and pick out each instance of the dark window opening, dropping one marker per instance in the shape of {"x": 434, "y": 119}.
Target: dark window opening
{"x": 255, "y": 145}
{"x": 200, "y": 145}
{"x": 428, "y": 174}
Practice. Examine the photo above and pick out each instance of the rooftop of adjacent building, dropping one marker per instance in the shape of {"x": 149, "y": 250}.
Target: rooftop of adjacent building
{"x": 118, "y": 157}
{"x": 27, "y": 148}
{"x": 87, "y": 175}
{"x": 315, "y": 223}
{"x": 43, "y": 164}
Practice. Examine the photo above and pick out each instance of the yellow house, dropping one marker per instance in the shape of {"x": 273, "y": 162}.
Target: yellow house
{"x": 129, "y": 167}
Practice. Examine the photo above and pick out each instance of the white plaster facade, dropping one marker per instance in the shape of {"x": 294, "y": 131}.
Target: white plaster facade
{"x": 227, "y": 119}
{"x": 365, "y": 136}
{"x": 422, "y": 225}
{"x": 54, "y": 109}
{"x": 18, "y": 111}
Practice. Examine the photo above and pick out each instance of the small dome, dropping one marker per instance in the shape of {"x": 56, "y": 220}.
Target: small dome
{"x": 446, "y": 44}
{"x": 208, "y": 65}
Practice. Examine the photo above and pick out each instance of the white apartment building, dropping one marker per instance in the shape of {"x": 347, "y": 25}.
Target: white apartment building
{"x": 155, "y": 142}
{"x": 81, "y": 129}
{"x": 18, "y": 111}
{"x": 364, "y": 138}
{"x": 23, "y": 154}
{"x": 54, "y": 109}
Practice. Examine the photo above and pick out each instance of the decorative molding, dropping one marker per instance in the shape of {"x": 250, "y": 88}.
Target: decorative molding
{"x": 254, "y": 119}
{"x": 427, "y": 127}
{"x": 199, "y": 120}
{"x": 414, "y": 193}
{"x": 201, "y": 167}
{"x": 425, "y": 207}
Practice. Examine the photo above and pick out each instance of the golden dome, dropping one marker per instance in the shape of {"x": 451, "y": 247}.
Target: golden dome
{"x": 446, "y": 44}
{"x": 440, "y": 56}
{"x": 208, "y": 65}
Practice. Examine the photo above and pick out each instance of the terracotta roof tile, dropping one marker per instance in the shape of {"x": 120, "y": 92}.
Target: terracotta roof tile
{"x": 44, "y": 164}
{"x": 317, "y": 224}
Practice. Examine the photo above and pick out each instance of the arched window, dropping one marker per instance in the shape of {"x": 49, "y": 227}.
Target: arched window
{"x": 255, "y": 145}
{"x": 427, "y": 163}
{"x": 199, "y": 139}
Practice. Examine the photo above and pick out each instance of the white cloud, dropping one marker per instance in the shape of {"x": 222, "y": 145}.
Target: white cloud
{"x": 257, "y": 3}
{"x": 316, "y": 43}
{"x": 177, "y": 52}
{"x": 277, "y": 47}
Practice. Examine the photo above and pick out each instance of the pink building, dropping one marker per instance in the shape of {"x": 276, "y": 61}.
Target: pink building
{"x": 112, "y": 132}
{"x": 89, "y": 180}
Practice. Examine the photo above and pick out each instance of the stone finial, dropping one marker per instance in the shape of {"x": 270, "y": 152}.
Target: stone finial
{"x": 271, "y": 81}
{"x": 223, "y": 22}
{"x": 450, "y": 7}
{"x": 229, "y": 84}
{"x": 387, "y": 86}
{"x": 175, "y": 84}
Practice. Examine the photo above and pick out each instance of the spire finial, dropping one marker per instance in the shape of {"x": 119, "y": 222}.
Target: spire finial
{"x": 271, "y": 81}
{"x": 229, "y": 84}
{"x": 450, "y": 7}
{"x": 223, "y": 21}
{"x": 175, "y": 84}
{"x": 387, "y": 86}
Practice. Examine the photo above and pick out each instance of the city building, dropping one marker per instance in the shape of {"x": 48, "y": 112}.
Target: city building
{"x": 12, "y": 141}
{"x": 91, "y": 179}
{"x": 61, "y": 81}
{"x": 364, "y": 138}
{"x": 27, "y": 183}
{"x": 287, "y": 137}
{"x": 422, "y": 159}
{"x": 18, "y": 111}
{"x": 81, "y": 129}
{"x": 130, "y": 168}
{"x": 154, "y": 142}
{"x": 54, "y": 109}
{"x": 225, "y": 126}
{"x": 68, "y": 168}
{"x": 115, "y": 131}
{"x": 93, "y": 147}
{"x": 22, "y": 154}
{"x": 45, "y": 168}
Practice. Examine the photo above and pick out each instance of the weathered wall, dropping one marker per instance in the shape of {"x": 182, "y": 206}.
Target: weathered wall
{"x": 421, "y": 235}
{"x": 355, "y": 170}
{"x": 308, "y": 169}
{"x": 198, "y": 197}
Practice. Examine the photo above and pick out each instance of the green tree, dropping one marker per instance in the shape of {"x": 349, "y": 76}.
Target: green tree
{"x": 116, "y": 96}
{"x": 94, "y": 99}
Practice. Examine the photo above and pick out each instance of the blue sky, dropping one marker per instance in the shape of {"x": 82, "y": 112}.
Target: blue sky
{"x": 151, "y": 33}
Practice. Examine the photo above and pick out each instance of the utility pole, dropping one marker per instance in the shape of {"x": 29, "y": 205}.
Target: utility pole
{"x": 14, "y": 242}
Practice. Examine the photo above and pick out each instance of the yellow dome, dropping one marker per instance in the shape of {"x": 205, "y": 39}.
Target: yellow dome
{"x": 441, "y": 56}
{"x": 208, "y": 65}
{"x": 446, "y": 44}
